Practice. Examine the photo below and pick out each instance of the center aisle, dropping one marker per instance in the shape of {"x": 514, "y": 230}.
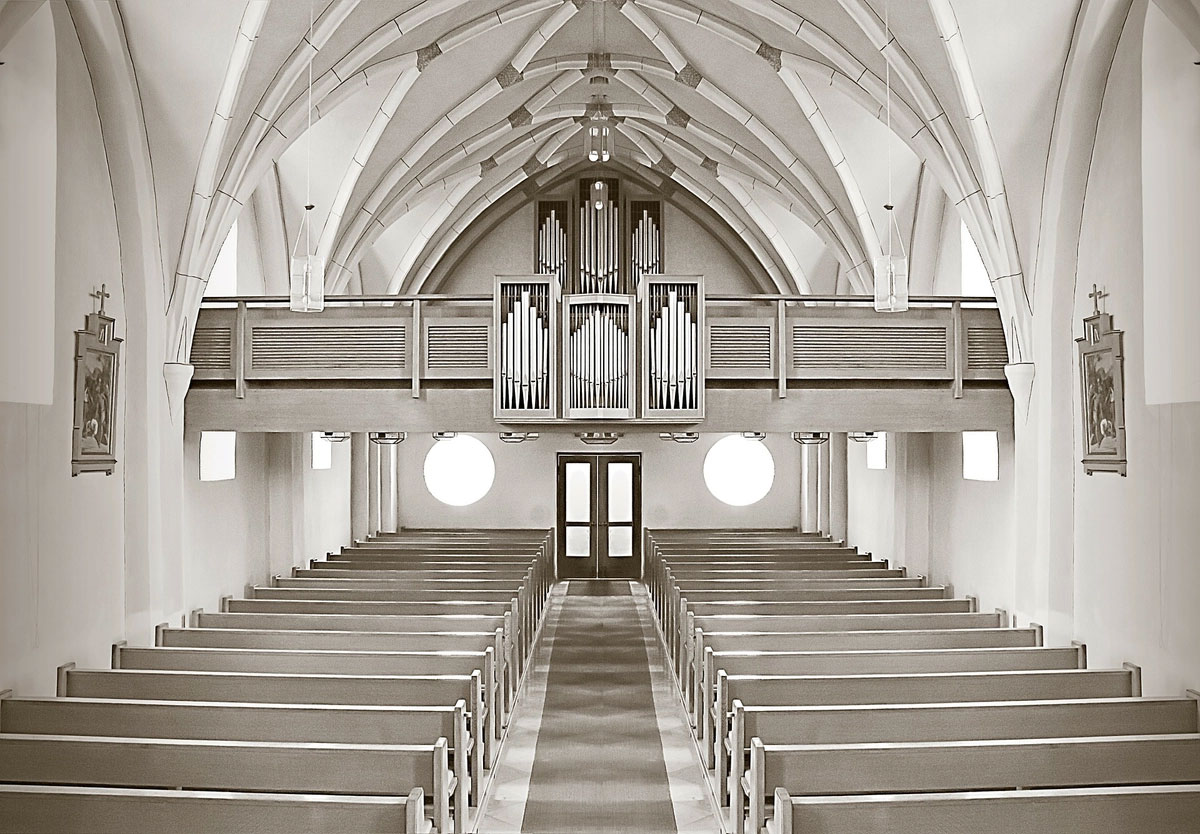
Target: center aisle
{"x": 612, "y": 753}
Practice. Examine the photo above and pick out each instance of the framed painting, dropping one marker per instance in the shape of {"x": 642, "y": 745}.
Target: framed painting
{"x": 97, "y": 372}
{"x": 1102, "y": 387}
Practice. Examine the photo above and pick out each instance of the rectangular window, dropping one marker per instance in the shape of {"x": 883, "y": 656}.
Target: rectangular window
{"x": 218, "y": 455}
{"x": 877, "y": 451}
{"x": 981, "y": 456}
{"x": 322, "y": 452}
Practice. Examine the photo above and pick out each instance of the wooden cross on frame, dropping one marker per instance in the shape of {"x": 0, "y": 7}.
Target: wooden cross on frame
{"x": 100, "y": 295}
{"x": 1096, "y": 295}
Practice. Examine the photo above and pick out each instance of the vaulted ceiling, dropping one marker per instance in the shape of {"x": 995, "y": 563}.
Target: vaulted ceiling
{"x": 774, "y": 113}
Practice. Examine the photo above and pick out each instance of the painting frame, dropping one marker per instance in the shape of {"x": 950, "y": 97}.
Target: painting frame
{"x": 1102, "y": 396}
{"x": 97, "y": 375}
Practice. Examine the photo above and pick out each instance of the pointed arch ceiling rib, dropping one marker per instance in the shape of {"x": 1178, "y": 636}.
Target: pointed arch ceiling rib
{"x": 679, "y": 123}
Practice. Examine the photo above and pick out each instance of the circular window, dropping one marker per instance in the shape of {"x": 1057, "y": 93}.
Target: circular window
{"x": 739, "y": 471}
{"x": 459, "y": 470}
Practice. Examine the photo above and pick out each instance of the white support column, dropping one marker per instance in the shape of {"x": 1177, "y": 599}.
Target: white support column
{"x": 373, "y": 468}
{"x": 838, "y": 495}
{"x": 809, "y": 493}
{"x": 823, "y": 505}
{"x": 360, "y": 490}
{"x": 387, "y": 489}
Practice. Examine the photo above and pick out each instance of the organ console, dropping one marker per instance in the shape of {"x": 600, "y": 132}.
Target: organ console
{"x": 592, "y": 272}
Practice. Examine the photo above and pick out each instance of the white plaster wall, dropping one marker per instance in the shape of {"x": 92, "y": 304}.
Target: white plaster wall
{"x": 673, "y": 491}
{"x": 971, "y": 523}
{"x": 62, "y": 594}
{"x": 871, "y": 501}
{"x": 28, "y": 166}
{"x": 277, "y": 512}
{"x": 1136, "y": 539}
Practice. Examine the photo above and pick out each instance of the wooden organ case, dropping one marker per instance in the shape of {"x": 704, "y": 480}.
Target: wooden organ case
{"x": 629, "y": 341}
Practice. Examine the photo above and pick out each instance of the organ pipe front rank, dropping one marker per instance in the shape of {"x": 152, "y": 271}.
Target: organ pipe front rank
{"x": 525, "y": 311}
{"x": 672, "y": 351}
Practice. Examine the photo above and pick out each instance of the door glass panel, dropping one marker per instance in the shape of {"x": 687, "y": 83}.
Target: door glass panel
{"x": 620, "y": 542}
{"x": 579, "y": 541}
{"x": 579, "y": 492}
{"x": 620, "y": 492}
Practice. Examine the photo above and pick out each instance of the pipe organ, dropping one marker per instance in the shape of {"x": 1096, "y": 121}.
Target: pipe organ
{"x": 672, "y": 354}
{"x": 525, "y": 350}
{"x": 598, "y": 348}
{"x": 553, "y": 243}
{"x": 646, "y": 239}
{"x": 597, "y": 363}
{"x": 600, "y": 239}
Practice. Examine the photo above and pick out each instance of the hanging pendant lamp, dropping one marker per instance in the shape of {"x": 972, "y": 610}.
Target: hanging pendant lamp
{"x": 891, "y": 269}
{"x": 307, "y": 272}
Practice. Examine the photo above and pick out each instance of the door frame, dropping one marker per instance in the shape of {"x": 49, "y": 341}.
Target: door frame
{"x": 565, "y": 566}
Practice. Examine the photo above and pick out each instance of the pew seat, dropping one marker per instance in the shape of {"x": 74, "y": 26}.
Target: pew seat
{"x": 48, "y": 809}
{"x": 206, "y": 764}
{"x": 966, "y": 765}
{"x": 1131, "y": 809}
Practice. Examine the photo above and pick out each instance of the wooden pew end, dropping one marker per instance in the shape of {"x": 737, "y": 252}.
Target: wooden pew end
{"x": 782, "y": 822}
{"x": 275, "y": 577}
{"x": 248, "y": 591}
{"x": 972, "y": 601}
{"x": 193, "y": 619}
{"x": 223, "y": 604}
{"x": 158, "y": 633}
{"x": 1081, "y": 647}
{"x": 61, "y": 685}
{"x": 414, "y": 813}
{"x": 1041, "y": 633}
{"x": 1005, "y": 622}
{"x": 116, "y": 653}
{"x": 1136, "y": 672}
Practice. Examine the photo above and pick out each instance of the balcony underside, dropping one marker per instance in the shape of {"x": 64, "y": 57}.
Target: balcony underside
{"x": 467, "y": 405}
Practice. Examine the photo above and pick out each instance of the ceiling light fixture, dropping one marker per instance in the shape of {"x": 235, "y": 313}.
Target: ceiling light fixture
{"x": 599, "y": 438}
{"x": 517, "y": 436}
{"x": 679, "y": 436}
{"x": 445, "y": 435}
{"x": 335, "y": 436}
{"x": 891, "y": 270}
{"x": 863, "y": 436}
{"x": 810, "y": 438}
{"x": 760, "y": 436}
{"x": 388, "y": 438}
{"x": 307, "y": 274}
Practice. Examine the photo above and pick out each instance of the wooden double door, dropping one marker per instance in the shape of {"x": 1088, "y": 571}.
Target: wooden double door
{"x": 599, "y": 516}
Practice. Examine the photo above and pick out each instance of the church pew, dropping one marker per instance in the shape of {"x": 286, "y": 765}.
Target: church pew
{"x": 43, "y": 809}
{"x": 339, "y": 570}
{"x": 398, "y": 583}
{"x": 324, "y": 662}
{"x": 270, "y": 767}
{"x": 325, "y": 640}
{"x": 843, "y": 606}
{"x": 395, "y": 594}
{"x": 379, "y": 550}
{"x": 278, "y": 688}
{"x": 1125, "y": 809}
{"x": 799, "y": 583}
{"x": 423, "y": 568}
{"x": 348, "y": 723}
{"x": 684, "y": 652}
{"x": 940, "y": 767}
{"x": 769, "y": 570}
{"x": 695, "y": 595}
{"x": 420, "y": 608}
{"x": 908, "y": 688}
{"x": 866, "y": 662}
{"x": 352, "y": 622}
{"x": 897, "y": 723}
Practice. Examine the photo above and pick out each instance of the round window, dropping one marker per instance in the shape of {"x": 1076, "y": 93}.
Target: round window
{"x": 739, "y": 471}
{"x": 459, "y": 470}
